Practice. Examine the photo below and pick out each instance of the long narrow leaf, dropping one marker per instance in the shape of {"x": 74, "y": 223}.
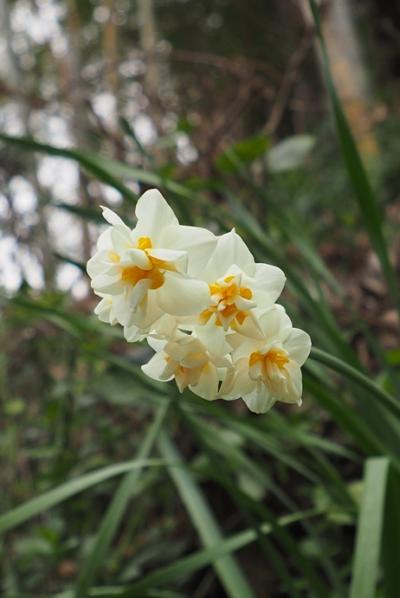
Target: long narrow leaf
{"x": 54, "y": 497}
{"x": 114, "y": 514}
{"x": 254, "y": 511}
{"x": 105, "y": 169}
{"x": 204, "y": 521}
{"x": 343, "y": 414}
{"x": 391, "y": 536}
{"x": 100, "y": 167}
{"x": 358, "y": 377}
{"x": 207, "y": 556}
{"x": 369, "y": 530}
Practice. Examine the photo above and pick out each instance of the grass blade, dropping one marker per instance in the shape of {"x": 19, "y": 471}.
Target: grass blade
{"x": 369, "y": 530}
{"x": 103, "y": 168}
{"x": 114, "y": 514}
{"x": 202, "y": 558}
{"x": 345, "y": 416}
{"x": 204, "y": 521}
{"x": 391, "y": 536}
{"x": 96, "y": 165}
{"x": 352, "y": 374}
{"x": 225, "y": 465}
{"x": 49, "y": 499}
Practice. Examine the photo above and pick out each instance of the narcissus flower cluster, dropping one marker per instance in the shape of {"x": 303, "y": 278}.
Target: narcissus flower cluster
{"x": 202, "y": 303}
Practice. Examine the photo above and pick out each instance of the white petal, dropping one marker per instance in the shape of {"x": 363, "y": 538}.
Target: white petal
{"x": 121, "y": 307}
{"x": 104, "y": 241}
{"x": 194, "y": 360}
{"x": 112, "y": 217}
{"x": 153, "y": 214}
{"x": 164, "y": 328}
{"x": 107, "y": 284}
{"x": 250, "y": 327}
{"x": 95, "y": 265}
{"x": 135, "y": 257}
{"x": 237, "y": 382}
{"x": 270, "y": 280}
{"x": 243, "y": 346}
{"x": 157, "y": 368}
{"x": 213, "y": 337}
{"x": 207, "y": 386}
{"x": 138, "y": 293}
{"x": 259, "y": 401}
{"x": 255, "y": 371}
{"x": 244, "y": 304}
{"x": 134, "y": 334}
{"x": 100, "y": 263}
{"x": 199, "y": 244}
{"x": 240, "y": 276}
{"x": 180, "y": 296}
{"x": 195, "y": 357}
{"x": 298, "y": 345}
{"x": 103, "y": 310}
{"x": 230, "y": 249}
{"x": 111, "y": 269}
{"x": 187, "y": 350}
{"x": 121, "y": 238}
{"x": 275, "y": 324}
{"x": 294, "y": 386}
{"x": 156, "y": 344}
{"x": 147, "y": 311}
{"x": 178, "y": 348}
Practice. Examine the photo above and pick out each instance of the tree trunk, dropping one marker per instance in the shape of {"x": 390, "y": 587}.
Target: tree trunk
{"x": 148, "y": 40}
{"x": 79, "y": 107}
{"x": 349, "y": 71}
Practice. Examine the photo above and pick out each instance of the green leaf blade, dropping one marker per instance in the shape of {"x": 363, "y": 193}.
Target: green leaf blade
{"x": 114, "y": 514}
{"x": 52, "y": 498}
{"x": 204, "y": 521}
{"x": 369, "y": 530}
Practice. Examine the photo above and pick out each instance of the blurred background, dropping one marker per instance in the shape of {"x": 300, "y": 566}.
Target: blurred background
{"x": 221, "y": 104}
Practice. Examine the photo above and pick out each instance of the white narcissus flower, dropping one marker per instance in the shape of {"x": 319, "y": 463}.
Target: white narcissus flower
{"x": 267, "y": 370}
{"x": 238, "y": 286}
{"x": 145, "y": 270}
{"x": 185, "y": 359}
{"x": 204, "y": 305}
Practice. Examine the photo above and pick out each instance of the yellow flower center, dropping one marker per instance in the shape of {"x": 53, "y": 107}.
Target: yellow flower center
{"x": 272, "y": 357}
{"x": 225, "y": 309}
{"x": 133, "y": 274}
